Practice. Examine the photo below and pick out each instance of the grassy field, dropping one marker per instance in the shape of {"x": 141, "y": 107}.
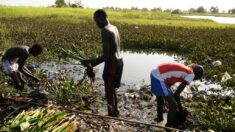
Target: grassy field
{"x": 200, "y": 41}
{"x": 126, "y": 16}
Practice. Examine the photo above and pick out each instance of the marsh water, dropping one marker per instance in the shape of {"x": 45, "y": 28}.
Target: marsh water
{"x": 137, "y": 67}
{"x": 136, "y": 70}
{"x": 225, "y": 20}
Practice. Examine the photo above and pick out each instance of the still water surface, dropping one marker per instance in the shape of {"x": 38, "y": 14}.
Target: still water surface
{"x": 225, "y": 20}
{"x": 136, "y": 71}
{"x": 137, "y": 67}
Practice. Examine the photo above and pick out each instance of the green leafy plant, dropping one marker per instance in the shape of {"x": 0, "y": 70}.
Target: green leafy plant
{"x": 41, "y": 120}
{"x": 213, "y": 111}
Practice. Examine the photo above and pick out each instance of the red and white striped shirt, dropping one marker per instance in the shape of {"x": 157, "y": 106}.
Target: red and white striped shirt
{"x": 173, "y": 72}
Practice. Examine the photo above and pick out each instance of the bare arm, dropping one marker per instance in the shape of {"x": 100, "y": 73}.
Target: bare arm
{"x": 106, "y": 49}
{"x": 181, "y": 88}
{"x": 25, "y": 70}
{"x": 177, "y": 93}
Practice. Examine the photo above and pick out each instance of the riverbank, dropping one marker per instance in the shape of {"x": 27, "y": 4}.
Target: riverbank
{"x": 197, "y": 41}
{"x": 223, "y": 20}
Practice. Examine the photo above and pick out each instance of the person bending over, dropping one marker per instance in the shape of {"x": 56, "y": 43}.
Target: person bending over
{"x": 162, "y": 78}
{"x": 13, "y": 62}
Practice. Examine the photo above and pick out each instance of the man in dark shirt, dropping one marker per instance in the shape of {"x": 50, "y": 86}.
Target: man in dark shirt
{"x": 13, "y": 62}
{"x": 111, "y": 57}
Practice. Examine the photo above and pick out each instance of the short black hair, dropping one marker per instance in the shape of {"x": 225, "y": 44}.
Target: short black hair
{"x": 198, "y": 71}
{"x": 100, "y": 13}
{"x": 37, "y": 47}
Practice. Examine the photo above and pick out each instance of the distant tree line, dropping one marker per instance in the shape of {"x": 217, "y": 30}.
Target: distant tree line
{"x": 74, "y": 4}
{"x": 200, "y": 9}
{"x": 232, "y": 11}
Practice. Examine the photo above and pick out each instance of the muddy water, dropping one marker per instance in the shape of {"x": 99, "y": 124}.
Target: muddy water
{"x": 136, "y": 71}
{"x": 135, "y": 104}
{"x": 137, "y": 66}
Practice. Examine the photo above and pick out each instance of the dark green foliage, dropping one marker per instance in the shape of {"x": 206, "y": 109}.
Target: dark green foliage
{"x": 198, "y": 44}
{"x": 60, "y": 3}
{"x": 192, "y": 10}
{"x": 232, "y": 11}
{"x": 214, "y": 9}
{"x": 176, "y": 11}
{"x": 213, "y": 111}
{"x": 201, "y": 9}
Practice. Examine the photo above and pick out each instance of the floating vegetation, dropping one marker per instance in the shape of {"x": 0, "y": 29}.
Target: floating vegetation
{"x": 212, "y": 111}
{"x": 209, "y": 44}
{"x": 42, "y": 119}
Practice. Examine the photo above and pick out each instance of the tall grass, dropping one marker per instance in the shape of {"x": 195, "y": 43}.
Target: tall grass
{"x": 42, "y": 11}
{"x": 137, "y": 17}
{"x": 201, "y": 41}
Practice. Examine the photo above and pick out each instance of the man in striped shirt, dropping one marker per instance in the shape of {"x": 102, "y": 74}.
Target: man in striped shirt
{"x": 163, "y": 77}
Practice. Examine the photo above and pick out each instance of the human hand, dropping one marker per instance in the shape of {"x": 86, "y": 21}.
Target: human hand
{"x": 90, "y": 72}
{"x": 86, "y": 63}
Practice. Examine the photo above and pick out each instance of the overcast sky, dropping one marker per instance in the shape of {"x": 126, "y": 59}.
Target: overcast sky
{"x": 181, "y": 4}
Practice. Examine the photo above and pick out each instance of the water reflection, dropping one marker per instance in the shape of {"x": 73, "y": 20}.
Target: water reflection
{"x": 225, "y": 20}
{"x": 138, "y": 64}
{"x": 137, "y": 67}
{"x": 136, "y": 71}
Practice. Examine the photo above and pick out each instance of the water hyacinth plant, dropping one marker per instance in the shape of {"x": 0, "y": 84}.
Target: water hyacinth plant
{"x": 200, "y": 41}
{"x": 75, "y": 54}
{"x": 42, "y": 119}
{"x": 68, "y": 92}
{"x": 212, "y": 109}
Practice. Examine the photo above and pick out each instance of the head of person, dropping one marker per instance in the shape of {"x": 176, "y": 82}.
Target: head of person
{"x": 36, "y": 49}
{"x": 198, "y": 71}
{"x": 100, "y": 17}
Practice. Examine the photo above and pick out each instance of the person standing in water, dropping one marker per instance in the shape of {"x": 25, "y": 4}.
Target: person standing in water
{"x": 113, "y": 63}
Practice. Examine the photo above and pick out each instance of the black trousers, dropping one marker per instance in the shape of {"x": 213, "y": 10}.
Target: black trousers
{"x": 173, "y": 108}
{"x": 112, "y": 78}
{"x": 17, "y": 80}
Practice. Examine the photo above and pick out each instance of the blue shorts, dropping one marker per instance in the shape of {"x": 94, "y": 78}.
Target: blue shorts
{"x": 158, "y": 85}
